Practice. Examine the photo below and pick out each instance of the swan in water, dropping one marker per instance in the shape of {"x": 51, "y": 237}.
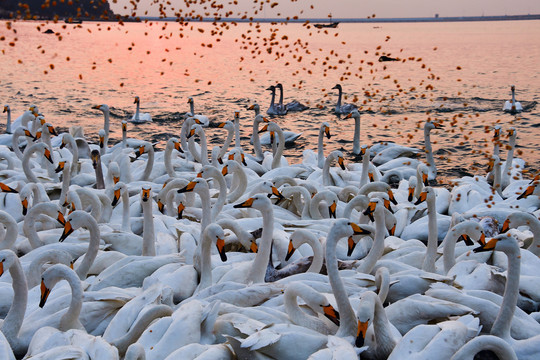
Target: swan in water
{"x": 201, "y": 119}
{"x": 293, "y": 105}
{"x": 139, "y": 117}
{"x": 512, "y": 106}
{"x": 342, "y": 109}
{"x": 355, "y": 114}
{"x": 7, "y": 110}
{"x": 275, "y": 109}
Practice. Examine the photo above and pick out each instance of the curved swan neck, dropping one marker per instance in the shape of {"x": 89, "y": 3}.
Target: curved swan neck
{"x": 449, "y": 243}
{"x": 8, "y": 122}
{"x": 34, "y": 270}
{"x": 296, "y": 314}
{"x": 93, "y": 245}
{"x": 126, "y": 343}
{"x": 377, "y": 249}
{"x": 276, "y": 161}
{"x": 258, "y": 269}
{"x": 12, "y": 230}
{"x": 242, "y": 182}
{"x": 149, "y": 164}
{"x": 348, "y": 324}
{"x": 15, "y": 316}
{"x": 71, "y": 318}
{"x": 500, "y": 347}
{"x": 364, "y": 177}
{"x": 320, "y": 148}
{"x": 256, "y": 141}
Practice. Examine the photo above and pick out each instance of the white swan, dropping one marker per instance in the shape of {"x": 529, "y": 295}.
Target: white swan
{"x": 520, "y": 218}
{"x": 512, "y": 106}
{"x": 7, "y": 110}
{"x": 139, "y": 117}
{"x": 340, "y": 108}
{"x": 316, "y": 301}
{"x": 201, "y": 119}
{"x": 42, "y": 149}
{"x": 526, "y": 348}
{"x": 355, "y": 114}
{"x": 429, "y": 151}
{"x": 309, "y": 157}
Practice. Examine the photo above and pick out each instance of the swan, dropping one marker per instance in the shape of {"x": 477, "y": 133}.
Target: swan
{"x": 293, "y": 105}
{"x": 467, "y": 229}
{"x": 308, "y": 155}
{"x": 241, "y": 184}
{"x": 355, "y": 114}
{"x": 348, "y": 327}
{"x": 304, "y": 236}
{"x": 139, "y": 117}
{"x": 255, "y": 139}
{"x": 144, "y": 174}
{"x": 258, "y": 267}
{"x": 382, "y": 337}
{"x": 29, "y": 226}
{"x": 212, "y": 233}
{"x": 198, "y": 130}
{"x": 314, "y": 300}
{"x": 520, "y": 218}
{"x": 432, "y": 168}
{"x": 28, "y": 116}
{"x": 49, "y": 278}
{"x": 7, "y": 110}
{"x": 275, "y": 109}
{"x": 512, "y": 106}
{"x": 106, "y": 119}
{"x": 328, "y": 178}
{"x": 525, "y": 348}
{"x": 200, "y": 119}
{"x": 508, "y": 172}
{"x": 342, "y": 109}
{"x": 277, "y": 160}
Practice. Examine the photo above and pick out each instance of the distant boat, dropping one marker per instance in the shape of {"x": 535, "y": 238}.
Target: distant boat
{"x": 333, "y": 24}
{"x": 73, "y": 21}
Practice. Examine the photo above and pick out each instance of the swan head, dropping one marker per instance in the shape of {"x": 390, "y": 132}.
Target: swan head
{"x": 7, "y": 258}
{"x": 502, "y": 242}
{"x": 530, "y": 189}
{"x": 190, "y": 100}
{"x": 254, "y": 107}
{"x": 63, "y": 164}
{"x": 337, "y": 87}
{"x": 195, "y": 184}
{"x": 272, "y": 88}
{"x": 365, "y": 314}
{"x": 496, "y": 132}
{"x": 101, "y": 135}
{"x": 215, "y": 232}
{"x": 227, "y": 125}
{"x": 95, "y": 156}
{"x": 325, "y": 129}
{"x": 355, "y": 114}
{"x": 124, "y": 126}
{"x": 494, "y": 161}
{"x": 195, "y": 129}
{"x": 7, "y": 189}
{"x": 50, "y": 278}
{"x": 137, "y": 100}
{"x": 6, "y": 108}
{"x": 75, "y": 220}
{"x": 427, "y": 195}
{"x": 146, "y": 193}
{"x": 258, "y": 201}
{"x": 511, "y": 132}
{"x": 102, "y": 107}
{"x": 513, "y": 88}
{"x": 430, "y": 125}
{"x": 114, "y": 170}
{"x": 422, "y": 171}
{"x": 260, "y": 119}
{"x": 118, "y": 188}
{"x": 175, "y": 143}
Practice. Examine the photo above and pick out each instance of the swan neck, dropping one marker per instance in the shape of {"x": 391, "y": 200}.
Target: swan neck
{"x": 276, "y": 161}
{"x": 377, "y": 248}
{"x": 149, "y": 241}
{"x": 501, "y": 326}
{"x": 365, "y": 169}
{"x": 356, "y": 137}
{"x": 93, "y": 246}
{"x": 149, "y": 164}
{"x": 431, "y": 250}
{"x": 256, "y": 141}
{"x": 320, "y": 149}
{"x": 15, "y": 316}
{"x": 258, "y": 269}
{"x": 348, "y": 325}
{"x": 71, "y": 317}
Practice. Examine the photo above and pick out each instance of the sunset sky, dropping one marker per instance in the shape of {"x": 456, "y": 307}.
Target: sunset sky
{"x": 353, "y": 8}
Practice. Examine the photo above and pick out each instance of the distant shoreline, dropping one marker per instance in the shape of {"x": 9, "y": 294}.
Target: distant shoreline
{"x": 302, "y": 20}
{"x": 344, "y": 20}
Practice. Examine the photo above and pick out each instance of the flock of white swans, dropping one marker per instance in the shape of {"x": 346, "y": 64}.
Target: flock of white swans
{"x": 121, "y": 251}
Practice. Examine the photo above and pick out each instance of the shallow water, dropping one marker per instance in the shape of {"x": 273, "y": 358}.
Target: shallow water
{"x": 456, "y": 73}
